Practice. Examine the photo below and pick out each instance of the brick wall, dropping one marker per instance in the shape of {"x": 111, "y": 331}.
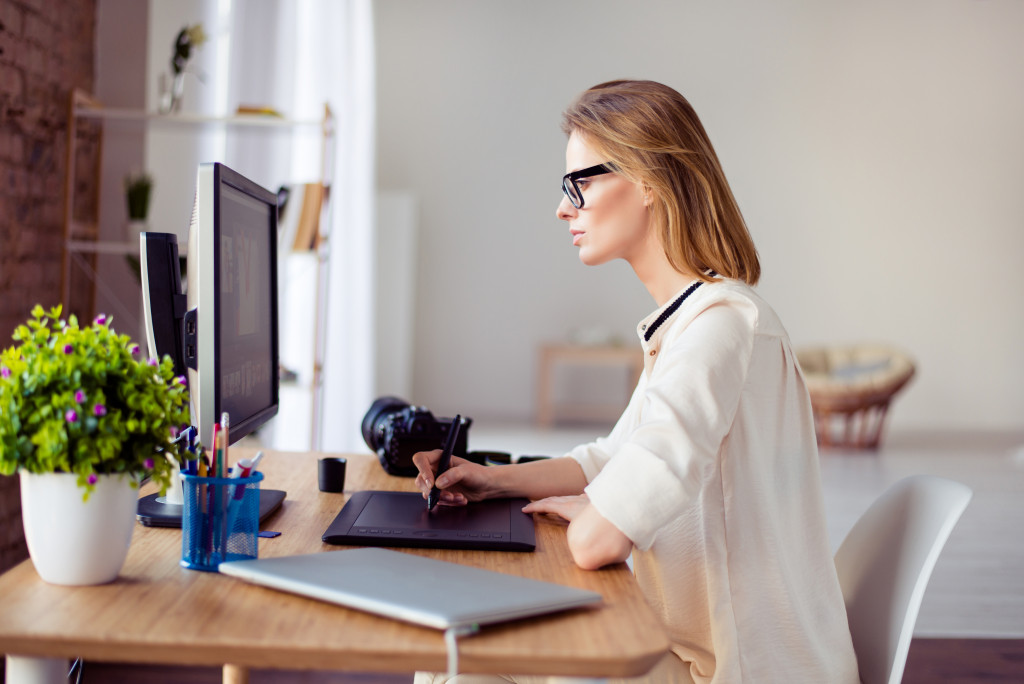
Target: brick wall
{"x": 46, "y": 50}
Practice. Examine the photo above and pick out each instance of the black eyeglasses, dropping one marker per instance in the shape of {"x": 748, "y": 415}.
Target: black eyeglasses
{"x": 572, "y": 190}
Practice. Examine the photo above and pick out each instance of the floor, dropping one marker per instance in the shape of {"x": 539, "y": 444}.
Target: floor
{"x": 971, "y": 625}
{"x": 931, "y": 661}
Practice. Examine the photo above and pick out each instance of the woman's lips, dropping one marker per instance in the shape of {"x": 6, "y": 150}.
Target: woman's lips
{"x": 577, "y": 235}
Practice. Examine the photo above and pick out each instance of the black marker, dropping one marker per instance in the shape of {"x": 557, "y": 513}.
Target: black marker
{"x": 446, "y": 460}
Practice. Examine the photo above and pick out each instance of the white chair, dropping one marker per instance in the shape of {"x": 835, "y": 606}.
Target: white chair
{"x": 884, "y": 565}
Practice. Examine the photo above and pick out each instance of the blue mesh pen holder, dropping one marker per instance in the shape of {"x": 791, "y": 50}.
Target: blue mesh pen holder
{"x": 220, "y": 520}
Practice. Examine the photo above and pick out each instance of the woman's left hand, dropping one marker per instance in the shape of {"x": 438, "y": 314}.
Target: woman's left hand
{"x": 567, "y": 507}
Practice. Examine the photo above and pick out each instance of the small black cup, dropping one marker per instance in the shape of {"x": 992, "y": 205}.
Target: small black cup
{"x": 332, "y": 474}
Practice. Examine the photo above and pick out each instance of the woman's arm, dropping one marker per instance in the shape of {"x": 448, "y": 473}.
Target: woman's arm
{"x": 593, "y": 541}
{"x": 466, "y": 481}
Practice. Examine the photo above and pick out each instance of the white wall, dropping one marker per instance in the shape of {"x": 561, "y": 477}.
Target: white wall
{"x": 876, "y": 149}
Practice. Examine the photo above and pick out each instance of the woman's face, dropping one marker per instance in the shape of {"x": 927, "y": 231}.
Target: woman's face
{"x": 614, "y": 222}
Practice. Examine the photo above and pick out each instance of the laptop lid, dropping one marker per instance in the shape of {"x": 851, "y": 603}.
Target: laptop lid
{"x": 423, "y": 591}
{"x": 377, "y": 518}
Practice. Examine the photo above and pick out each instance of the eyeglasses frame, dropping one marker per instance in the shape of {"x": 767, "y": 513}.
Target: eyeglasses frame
{"x": 589, "y": 172}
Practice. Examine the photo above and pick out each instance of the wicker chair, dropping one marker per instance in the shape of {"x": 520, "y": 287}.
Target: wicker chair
{"x": 851, "y": 388}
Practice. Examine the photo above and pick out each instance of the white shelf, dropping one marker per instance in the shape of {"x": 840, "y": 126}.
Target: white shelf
{"x": 186, "y": 119}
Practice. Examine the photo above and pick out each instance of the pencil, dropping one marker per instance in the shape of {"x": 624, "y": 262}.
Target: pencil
{"x": 225, "y": 420}
{"x": 215, "y": 447}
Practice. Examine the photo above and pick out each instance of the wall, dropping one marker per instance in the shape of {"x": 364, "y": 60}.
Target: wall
{"x": 874, "y": 147}
{"x": 44, "y": 54}
{"x": 120, "y": 84}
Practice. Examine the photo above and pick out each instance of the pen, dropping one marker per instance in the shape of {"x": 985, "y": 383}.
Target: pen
{"x": 256, "y": 461}
{"x": 213, "y": 450}
{"x": 446, "y": 459}
{"x": 244, "y": 468}
{"x": 225, "y": 420}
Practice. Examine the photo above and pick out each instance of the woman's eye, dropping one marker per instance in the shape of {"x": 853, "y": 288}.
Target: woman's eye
{"x": 582, "y": 182}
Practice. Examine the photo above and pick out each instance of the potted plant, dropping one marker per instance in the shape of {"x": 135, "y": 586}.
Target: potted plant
{"x": 137, "y": 189}
{"x": 188, "y": 38}
{"x": 83, "y": 419}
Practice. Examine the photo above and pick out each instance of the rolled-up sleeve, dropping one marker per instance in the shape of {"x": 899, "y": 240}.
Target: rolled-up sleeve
{"x": 686, "y": 410}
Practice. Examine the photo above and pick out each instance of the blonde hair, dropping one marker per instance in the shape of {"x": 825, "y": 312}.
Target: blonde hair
{"x": 651, "y": 134}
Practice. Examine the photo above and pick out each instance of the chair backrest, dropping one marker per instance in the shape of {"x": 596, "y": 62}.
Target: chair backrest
{"x": 884, "y": 565}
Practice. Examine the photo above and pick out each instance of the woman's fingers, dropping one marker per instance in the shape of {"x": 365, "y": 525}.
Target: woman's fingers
{"x": 567, "y": 507}
{"x": 425, "y": 461}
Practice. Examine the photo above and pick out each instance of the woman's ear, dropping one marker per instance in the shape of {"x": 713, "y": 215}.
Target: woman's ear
{"x": 648, "y": 195}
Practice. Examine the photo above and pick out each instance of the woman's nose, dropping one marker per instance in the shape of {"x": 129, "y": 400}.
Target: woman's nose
{"x": 566, "y": 210}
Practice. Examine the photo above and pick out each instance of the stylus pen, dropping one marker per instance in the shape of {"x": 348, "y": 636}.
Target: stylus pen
{"x": 446, "y": 460}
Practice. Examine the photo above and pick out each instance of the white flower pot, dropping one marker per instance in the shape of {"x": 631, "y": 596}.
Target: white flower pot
{"x": 77, "y": 542}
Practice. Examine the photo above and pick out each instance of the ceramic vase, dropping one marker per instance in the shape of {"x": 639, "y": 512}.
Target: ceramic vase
{"x": 170, "y": 94}
{"x": 75, "y": 542}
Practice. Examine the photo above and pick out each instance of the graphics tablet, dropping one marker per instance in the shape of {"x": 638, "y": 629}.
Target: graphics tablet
{"x": 374, "y": 518}
{"x": 414, "y": 589}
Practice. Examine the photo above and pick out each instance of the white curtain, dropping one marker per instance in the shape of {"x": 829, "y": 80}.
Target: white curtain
{"x": 296, "y": 56}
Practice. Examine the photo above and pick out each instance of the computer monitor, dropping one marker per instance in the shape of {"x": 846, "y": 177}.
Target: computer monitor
{"x": 228, "y": 325}
{"x": 163, "y": 303}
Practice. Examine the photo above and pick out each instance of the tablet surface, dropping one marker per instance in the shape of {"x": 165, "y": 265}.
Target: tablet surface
{"x": 374, "y": 518}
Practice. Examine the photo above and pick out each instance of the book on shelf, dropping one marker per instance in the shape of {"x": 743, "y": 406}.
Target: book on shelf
{"x": 290, "y": 206}
{"x": 299, "y": 222}
{"x": 307, "y": 236}
{"x": 257, "y": 110}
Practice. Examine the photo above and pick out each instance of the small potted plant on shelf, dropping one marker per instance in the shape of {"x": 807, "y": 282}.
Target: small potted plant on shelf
{"x": 137, "y": 190}
{"x": 188, "y": 38}
{"x": 83, "y": 419}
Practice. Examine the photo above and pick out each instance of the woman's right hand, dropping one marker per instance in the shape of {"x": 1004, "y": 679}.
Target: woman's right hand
{"x": 464, "y": 481}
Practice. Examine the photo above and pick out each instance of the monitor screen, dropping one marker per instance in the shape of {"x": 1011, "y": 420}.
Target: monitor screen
{"x": 231, "y": 326}
{"x": 246, "y": 351}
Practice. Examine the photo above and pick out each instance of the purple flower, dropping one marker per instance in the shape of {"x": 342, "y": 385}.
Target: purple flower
{"x": 149, "y": 464}
{"x": 99, "y": 410}
{"x": 5, "y": 371}
{"x": 68, "y": 349}
{"x": 101, "y": 319}
{"x": 71, "y": 416}
{"x": 174, "y": 431}
{"x": 79, "y": 396}
{"x": 134, "y": 350}
{"x": 180, "y": 380}
{"x": 153, "y": 362}
{"x": 92, "y": 478}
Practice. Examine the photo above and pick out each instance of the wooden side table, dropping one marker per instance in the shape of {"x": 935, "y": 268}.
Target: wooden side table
{"x": 551, "y": 355}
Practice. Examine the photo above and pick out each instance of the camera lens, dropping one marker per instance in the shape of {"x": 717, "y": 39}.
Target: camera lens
{"x": 379, "y": 411}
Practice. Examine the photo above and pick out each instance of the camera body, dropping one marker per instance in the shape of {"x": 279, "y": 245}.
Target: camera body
{"x": 395, "y": 430}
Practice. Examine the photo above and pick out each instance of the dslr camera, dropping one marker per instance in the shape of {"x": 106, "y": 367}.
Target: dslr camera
{"x": 395, "y": 430}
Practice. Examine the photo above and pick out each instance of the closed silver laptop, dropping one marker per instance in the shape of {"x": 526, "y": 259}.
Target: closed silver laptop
{"x": 411, "y": 588}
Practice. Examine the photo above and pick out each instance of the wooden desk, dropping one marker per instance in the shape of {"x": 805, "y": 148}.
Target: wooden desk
{"x": 552, "y": 355}
{"x": 159, "y": 612}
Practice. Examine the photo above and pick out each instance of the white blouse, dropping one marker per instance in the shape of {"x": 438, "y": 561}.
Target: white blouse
{"x": 712, "y": 472}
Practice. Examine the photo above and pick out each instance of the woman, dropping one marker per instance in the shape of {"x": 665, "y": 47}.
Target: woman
{"x": 710, "y": 477}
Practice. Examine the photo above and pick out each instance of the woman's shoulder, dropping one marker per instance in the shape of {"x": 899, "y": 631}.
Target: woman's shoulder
{"x": 742, "y": 299}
